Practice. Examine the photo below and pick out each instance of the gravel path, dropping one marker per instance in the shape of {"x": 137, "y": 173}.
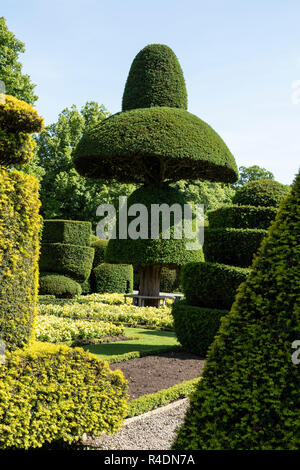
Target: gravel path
{"x": 151, "y": 431}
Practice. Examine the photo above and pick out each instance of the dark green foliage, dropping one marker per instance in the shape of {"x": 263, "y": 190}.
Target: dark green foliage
{"x": 248, "y": 398}
{"x": 141, "y": 252}
{"x": 169, "y": 280}
{"x": 211, "y": 285}
{"x": 70, "y": 260}
{"x": 155, "y": 79}
{"x": 232, "y": 245}
{"x": 241, "y": 217}
{"x": 86, "y": 286}
{"x": 99, "y": 247}
{"x": 61, "y": 286}
{"x": 196, "y": 327}
{"x": 71, "y": 232}
{"x": 111, "y": 278}
{"x": 264, "y": 192}
{"x": 153, "y": 145}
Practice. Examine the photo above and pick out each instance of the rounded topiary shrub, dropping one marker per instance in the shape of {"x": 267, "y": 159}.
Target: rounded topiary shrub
{"x": 111, "y": 278}
{"x": 267, "y": 193}
{"x": 242, "y": 217}
{"x": 211, "y": 285}
{"x": 53, "y": 393}
{"x": 196, "y": 327}
{"x": 58, "y": 285}
{"x": 72, "y": 232}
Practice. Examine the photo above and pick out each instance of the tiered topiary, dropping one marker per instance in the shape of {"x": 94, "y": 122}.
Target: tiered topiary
{"x": 154, "y": 141}
{"x": 232, "y": 238}
{"x": 65, "y": 253}
{"x": 248, "y": 397}
{"x": 20, "y": 223}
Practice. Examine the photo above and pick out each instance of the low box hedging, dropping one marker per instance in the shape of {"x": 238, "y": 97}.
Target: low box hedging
{"x": 211, "y": 285}
{"x": 20, "y": 225}
{"x": 72, "y": 232}
{"x": 113, "y": 278}
{"x": 241, "y": 217}
{"x": 196, "y": 327}
{"x": 231, "y": 245}
{"x": 51, "y": 393}
{"x": 61, "y": 286}
{"x": 69, "y": 260}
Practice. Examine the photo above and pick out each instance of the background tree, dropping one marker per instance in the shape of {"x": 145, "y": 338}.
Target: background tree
{"x": 251, "y": 173}
{"x": 16, "y": 83}
{"x": 64, "y": 193}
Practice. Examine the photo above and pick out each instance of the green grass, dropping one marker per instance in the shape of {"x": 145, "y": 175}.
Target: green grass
{"x": 148, "y": 341}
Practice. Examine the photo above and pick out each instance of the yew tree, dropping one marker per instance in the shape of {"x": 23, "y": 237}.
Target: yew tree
{"x": 154, "y": 141}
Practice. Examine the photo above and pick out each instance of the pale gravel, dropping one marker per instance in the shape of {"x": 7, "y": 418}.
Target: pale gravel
{"x": 154, "y": 430}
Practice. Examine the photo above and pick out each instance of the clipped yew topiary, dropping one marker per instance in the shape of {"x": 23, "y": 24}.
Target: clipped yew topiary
{"x": 67, "y": 254}
{"x": 153, "y": 141}
{"x": 264, "y": 192}
{"x": 110, "y": 278}
{"x": 248, "y": 398}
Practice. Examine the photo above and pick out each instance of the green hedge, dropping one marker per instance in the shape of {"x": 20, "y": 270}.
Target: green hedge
{"x": 169, "y": 280}
{"x": 20, "y": 225}
{"x": 69, "y": 260}
{"x": 265, "y": 193}
{"x": 196, "y": 327}
{"x": 155, "y": 79}
{"x": 142, "y": 252}
{"x": 241, "y": 217}
{"x": 50, "y": 393}
{"x": 211, "y": 285}
{"x": 151, "y": 145}
{"x": 99, "y": 247}
{"x": 248, "y": 398}
{"x": 70, "y": 232}
{"x": 61, "y": 286}
{"x": 111, "y": 278}
{"x": 232, "y": 246}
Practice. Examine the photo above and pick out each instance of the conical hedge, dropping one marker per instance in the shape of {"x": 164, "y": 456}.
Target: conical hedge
{"x": 249, "y": 396}
{"x": 155, "y": 79}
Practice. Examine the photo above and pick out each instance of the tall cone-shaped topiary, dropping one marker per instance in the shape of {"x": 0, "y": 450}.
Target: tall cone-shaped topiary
{"x": 154, "y": 141}
{"x": 248, "y": 397}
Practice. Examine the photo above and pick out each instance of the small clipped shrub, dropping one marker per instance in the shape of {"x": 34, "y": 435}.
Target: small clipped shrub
{"x": 20, "y": 225}
{"x": 111, "y": 278}
{"x": 267, "y": 193}
{"x": 61, "y": 286}
{"x": 232, "y": 246}
{"x": 248, "y": 397}
{"x": 72, "y": 232}
{"x": 242, "y": 217}
{"x": 196, "y": 327}
{"x": 211, "y": 285}
{"x": 86, "y": 287}
{"x": 70, "y": 260}
{"x": 169, "y": 280}
{"x": 51, "y": 393}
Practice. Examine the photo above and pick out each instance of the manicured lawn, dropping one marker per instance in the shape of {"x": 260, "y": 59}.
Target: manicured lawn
{"x": 149, "y": 340}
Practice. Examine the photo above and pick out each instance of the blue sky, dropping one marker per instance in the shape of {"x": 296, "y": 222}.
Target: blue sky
{"x": 240, "y": 58}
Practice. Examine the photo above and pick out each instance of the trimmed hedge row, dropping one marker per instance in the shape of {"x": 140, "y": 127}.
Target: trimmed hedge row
{"x": 72, "y": 232}
{"x": 111, "y": 278}
{"x": 50, "y": 393}
{"x": 70, "y": 260}
{"x": 232, "y": 246}
{"x": 169, "y": 280}
{"x": 196, "y": 327}
{"x": 99, "y": 247}
{"x": 241, "y": 217}
{"x": 61, "y": 286}
{"x": 20, "y": 225}
{"x": 211, "y": 285}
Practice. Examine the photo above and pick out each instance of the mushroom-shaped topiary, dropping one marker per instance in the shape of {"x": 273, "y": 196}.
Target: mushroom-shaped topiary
{"x": 154, "y": 141}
